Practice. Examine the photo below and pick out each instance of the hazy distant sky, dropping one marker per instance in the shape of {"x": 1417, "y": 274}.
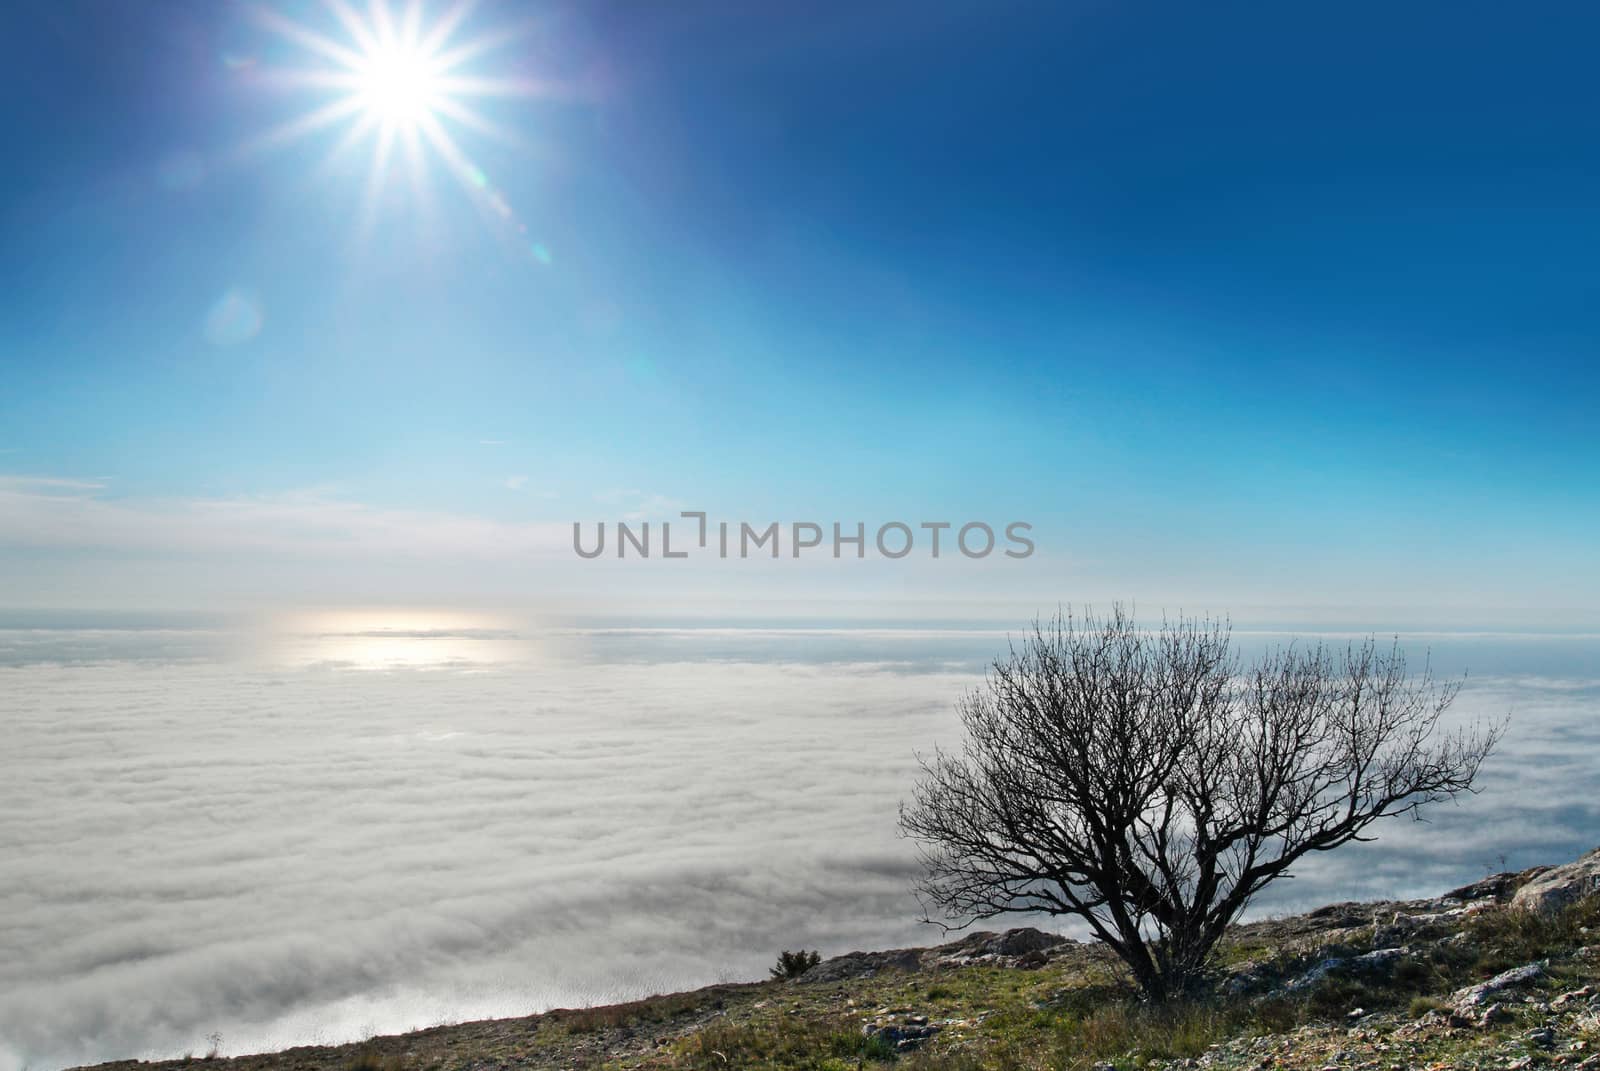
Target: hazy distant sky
{"x": 1265, "y": 305}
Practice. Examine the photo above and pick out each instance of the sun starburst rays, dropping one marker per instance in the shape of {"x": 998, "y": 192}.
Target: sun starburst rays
{"x": 399, "y": 82}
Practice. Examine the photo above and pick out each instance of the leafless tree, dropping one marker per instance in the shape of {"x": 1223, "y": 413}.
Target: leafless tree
{"x": 1147, "y": 783}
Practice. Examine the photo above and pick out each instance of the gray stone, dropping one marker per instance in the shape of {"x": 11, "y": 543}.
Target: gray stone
{"x": 1382, "y": 959}
{"x": 1553, "y": 889}
{"x": 904, "y": 1036}
{"x": 1379, "y": 958}
{"x": 1493, "y": 887}
{"x": 1316, "y": 974}
{"x": 863, "y": 965}
{"x": 1477, "y": 995}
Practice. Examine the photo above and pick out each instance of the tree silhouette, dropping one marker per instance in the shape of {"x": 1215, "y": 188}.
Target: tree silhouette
{"x": 1143, "y": 782}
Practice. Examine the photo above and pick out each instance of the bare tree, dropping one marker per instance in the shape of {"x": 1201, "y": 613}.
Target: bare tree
{"x": 1145, "y": 783}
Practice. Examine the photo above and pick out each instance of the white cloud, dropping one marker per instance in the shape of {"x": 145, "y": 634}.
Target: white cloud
{"x": 59, "y": 513}
{"x": 636, "y": 505}
{"x": 54, "y": 486}
{"x": 283, "y": 853}
{"x": 259, "y": 860}
{"x": 70, "y": 542}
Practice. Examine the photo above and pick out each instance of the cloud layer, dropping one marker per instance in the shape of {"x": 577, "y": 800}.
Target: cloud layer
{"x": 288, "y": 848}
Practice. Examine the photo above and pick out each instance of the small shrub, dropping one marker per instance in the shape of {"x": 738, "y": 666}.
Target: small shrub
{"x": 794, "y": 964}
{"x": 1277, "y": 1015}
{"x": 1421, "y": 1006}
{"x": 877, "y": 1047}
{"x": 1334, "y": 997}
{"x": 1416, "y": 976}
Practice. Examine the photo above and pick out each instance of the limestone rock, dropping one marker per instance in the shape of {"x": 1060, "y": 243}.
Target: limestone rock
{"x": 1554, "y": 888}
{"x": 1475, "y": 996}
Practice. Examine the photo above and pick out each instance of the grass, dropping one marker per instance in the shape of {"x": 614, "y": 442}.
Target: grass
{"x": 1510, "y": 938}
{"x": 1421, "y": 1006}
{"x": 636, "y": 1013}
{"x": 1127, "y": 1027}
{"x": 369, "y": 1060}
{"x": 783, "y": 1041}
{"x": 1078, "y": 1010}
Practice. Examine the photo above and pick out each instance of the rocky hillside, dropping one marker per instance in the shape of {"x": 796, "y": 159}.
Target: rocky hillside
{"x": 1504, "y": 973}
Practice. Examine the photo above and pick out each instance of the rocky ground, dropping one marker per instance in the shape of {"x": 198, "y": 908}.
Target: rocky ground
{"x": 1501, "y": 974}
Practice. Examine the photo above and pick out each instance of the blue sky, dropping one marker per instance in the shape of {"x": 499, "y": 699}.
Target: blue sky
{"x": 1236, "y": 304}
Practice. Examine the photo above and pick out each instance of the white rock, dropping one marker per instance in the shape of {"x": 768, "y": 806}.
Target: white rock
{"x": 1475, "y": 995}
{"x": 1555, "y": 888}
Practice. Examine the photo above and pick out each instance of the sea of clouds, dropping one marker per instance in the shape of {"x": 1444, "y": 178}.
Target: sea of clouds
{"x": 347, "y": 832}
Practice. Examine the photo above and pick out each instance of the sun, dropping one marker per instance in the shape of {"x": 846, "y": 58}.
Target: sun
{"x": 399, "y": 85}
{"x": 396, "y": 80}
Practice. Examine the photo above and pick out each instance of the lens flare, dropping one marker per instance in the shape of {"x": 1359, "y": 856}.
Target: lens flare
{"x": 396, "y": 80}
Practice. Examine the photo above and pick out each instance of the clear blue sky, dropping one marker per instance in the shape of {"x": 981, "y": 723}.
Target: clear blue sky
{"x": 1233, "y": 302}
